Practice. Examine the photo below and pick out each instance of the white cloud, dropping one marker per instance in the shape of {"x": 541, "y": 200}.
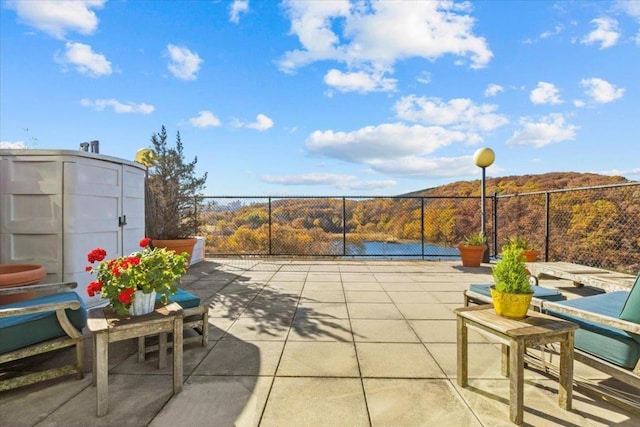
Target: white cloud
{"x": 601, "y": 91}
{"x": 424, "y": 77}
{"x": 385, "y": 141}
{"x": 556, "y": 30}
{"x": 493, "y": 90}
{"x": 375, "y": 35}
{"x": 262, "y": 123}
{"x": 434, "y": 167}
{"x": 205, "y": 119}
{"x": 360, "y": 81}
{"x": 623, "y": 172}
{"x": 579, "y": 103}
{"x": 606, "y": 33}
{"x": 237, "y": 8}
{"x": 183, "y": 64}
{"x": 57, "y": 17}
{"x": 545, "y": 93}
{"x": 118, "y": 107}
{"x": 340, "y": 181}
{"x": 459, "y": 113}
{"x": 85, "y": 60}
{"x": 13, "y": 145}
{"x": 549, "y": 129}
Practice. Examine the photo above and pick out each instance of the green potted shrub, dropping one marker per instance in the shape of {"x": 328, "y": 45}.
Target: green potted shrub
{"x": 528, "y": 251}
{"x": 172, "y": 195}
{"x": 472, "y": 249}
{"x": 512, "y": 291}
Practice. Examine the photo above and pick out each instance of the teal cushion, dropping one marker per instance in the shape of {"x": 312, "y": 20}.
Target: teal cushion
{"x": 538, "y": 292}
{"x": 631, "y": 309}
{"x": 606, "y": 342}
{"x": 184, "y": 299}
{"x": 28, "y": 329}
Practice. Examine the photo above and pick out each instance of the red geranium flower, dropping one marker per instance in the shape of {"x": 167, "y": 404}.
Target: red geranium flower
{"x": 145, "y": 242}
{"x": 125, "y": 296}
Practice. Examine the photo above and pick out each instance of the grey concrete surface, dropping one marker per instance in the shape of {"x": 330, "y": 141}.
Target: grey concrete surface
{"x": 317, "y": 343}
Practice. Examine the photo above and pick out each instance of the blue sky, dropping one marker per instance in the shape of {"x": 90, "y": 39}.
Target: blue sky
{"x": 330, "y": 97}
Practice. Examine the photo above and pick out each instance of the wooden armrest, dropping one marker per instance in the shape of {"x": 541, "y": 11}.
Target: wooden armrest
{"x": 39, "y": 308}
{"x": 593, "y": 317}
{"x": 40, "y": 287}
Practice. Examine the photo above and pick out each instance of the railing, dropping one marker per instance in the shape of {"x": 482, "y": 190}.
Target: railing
{"x": 596, "y": 226}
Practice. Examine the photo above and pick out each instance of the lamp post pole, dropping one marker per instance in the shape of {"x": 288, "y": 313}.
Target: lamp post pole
{"x": 483, "y": 158}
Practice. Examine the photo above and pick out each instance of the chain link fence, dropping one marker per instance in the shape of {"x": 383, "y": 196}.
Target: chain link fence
{"x": 596, "y": 226}
{"x": 593, "y": 226}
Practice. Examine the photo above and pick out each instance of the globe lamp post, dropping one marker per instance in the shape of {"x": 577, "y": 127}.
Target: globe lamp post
{"x": 483, "y": 158}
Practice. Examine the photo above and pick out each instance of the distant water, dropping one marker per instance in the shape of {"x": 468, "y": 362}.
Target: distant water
{"x": 410, "y": 250}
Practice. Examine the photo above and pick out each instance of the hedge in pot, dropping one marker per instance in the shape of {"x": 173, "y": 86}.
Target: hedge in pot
{"x": 528, "y": 251}
{"x": 512, "y": 291}
{"x": 172, "y": 196}
{"x": 472, "y": 249}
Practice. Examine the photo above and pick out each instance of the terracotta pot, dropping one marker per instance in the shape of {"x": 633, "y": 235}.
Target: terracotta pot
{"x": 12, "y": 275}
{"x": 471, "y": 255}
{"x": 531, "y": 255}
{"x": 177, "y": 245}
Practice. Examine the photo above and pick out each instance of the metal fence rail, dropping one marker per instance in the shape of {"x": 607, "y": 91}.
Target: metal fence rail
{"x": 595, "y": 226}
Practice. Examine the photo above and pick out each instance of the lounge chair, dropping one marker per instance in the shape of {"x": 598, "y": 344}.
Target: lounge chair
{"x": 609, "y": 334}
{"x": 37, "y": 326}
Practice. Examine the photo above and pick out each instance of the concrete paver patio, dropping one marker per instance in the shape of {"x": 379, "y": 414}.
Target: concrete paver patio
{"x": 317, "y": 343}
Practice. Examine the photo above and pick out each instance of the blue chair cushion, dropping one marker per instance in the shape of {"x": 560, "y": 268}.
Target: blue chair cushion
{"x": 631, "y": 308}
{"x": 184, "y": 298}
{"x": 28, "y": 329}
{"x": 538, "y": 292}
{"x": 606, "y": 342}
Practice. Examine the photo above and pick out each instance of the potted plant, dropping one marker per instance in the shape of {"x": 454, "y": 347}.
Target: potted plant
{"x": 528, "y": 251}
{"x": 472, "y": 249}
{"x": 131, "y": 283}
{"x": 512, "y": 291}
{"x": 172, "y": 195}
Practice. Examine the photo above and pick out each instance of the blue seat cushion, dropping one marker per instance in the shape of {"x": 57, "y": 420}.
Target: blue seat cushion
{"x": 631, "y": 309}
{"x": 538, "y": 292}
{"x": 184, "y": 299}
{"x": 28, "y": 329}
{"x": 606, "y": 342}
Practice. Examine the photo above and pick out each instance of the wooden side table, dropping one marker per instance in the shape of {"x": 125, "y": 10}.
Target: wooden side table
{"x": 107, "y": 327}
{"x": 515, "y": 336}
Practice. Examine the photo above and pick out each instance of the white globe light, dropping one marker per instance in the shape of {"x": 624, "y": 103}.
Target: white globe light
{"x": 484, "y": 157}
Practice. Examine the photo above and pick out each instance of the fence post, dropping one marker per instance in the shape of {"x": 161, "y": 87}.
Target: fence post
{"x": 344, "y": 227}
{"x": 495, "y": 225}
{"x": 547, "y": 205}
{"x": 422, "y": 225}
{"x": 270, "y": 252}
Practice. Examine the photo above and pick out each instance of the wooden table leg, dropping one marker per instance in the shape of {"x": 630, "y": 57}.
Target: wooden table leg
{"x": 101, "y": 364}
{"x": 565, "y": 386}
{"x": 177, "y": 355}
{"x": 162, "y": 350}
{"x": 94, "y": 368}
{"x": 516, "y": 381}
{"x": 504, "y": 360}
{"x": 142, "y": 349}
{"x": 462, "y": 353}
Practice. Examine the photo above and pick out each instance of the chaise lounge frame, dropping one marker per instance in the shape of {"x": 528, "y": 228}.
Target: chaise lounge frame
{"x": 74, "y": 337}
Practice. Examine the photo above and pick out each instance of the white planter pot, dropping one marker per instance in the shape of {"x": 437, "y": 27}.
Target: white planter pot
{"x": 142, "y": 303}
